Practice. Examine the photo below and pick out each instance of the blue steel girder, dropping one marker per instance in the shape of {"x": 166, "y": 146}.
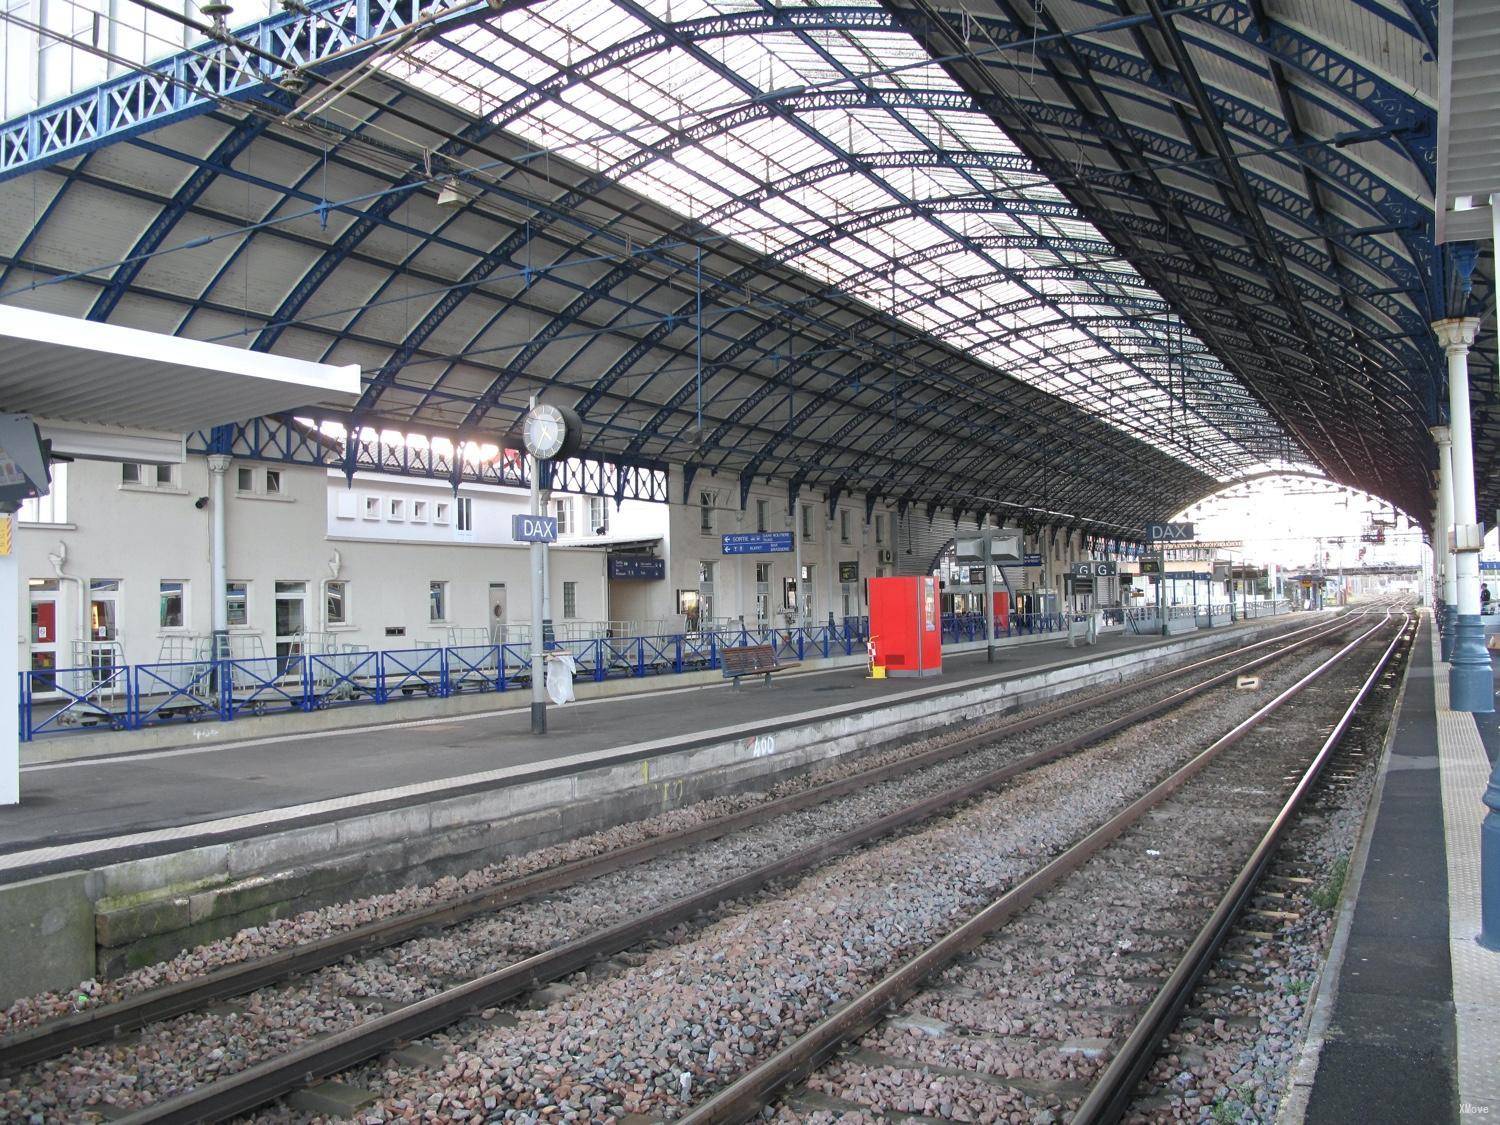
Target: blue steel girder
{"x": 309, "y": 38}
{"x": 278, "y": 440}
{"x": 834, "y": 232}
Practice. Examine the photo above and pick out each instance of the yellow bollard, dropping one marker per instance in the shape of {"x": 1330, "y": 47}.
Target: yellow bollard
{"x": 877, "y": 671}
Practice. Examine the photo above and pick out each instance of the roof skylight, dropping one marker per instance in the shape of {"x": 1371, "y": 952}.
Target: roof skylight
{"x": 850, "y": 157}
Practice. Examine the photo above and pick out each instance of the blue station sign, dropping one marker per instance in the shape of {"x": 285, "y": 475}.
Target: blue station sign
{"x": 758, "y": 543}
{"x": 533, "y": 529}
{"x": 1031, "y": 560}
{"x": 636, "y": 566}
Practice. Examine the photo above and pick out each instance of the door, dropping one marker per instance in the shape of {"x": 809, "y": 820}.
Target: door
{"x": 498, "y": 617}
{"x": 291, "y": 624}
{"x": 43, "y": 633}
{"x": 104, "y": 628}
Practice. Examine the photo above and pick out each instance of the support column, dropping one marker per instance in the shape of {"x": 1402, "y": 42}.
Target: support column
{"x": 1446, "y": 591}
{"x": 10, "y": 665}
{"x": 1471, "y": 682}
{"x": 1489, "y": 832}
{"x": 218, "y": 560}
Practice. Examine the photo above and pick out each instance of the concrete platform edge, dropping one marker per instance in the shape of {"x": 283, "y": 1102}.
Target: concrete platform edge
{"x": 1293, "y": 1107}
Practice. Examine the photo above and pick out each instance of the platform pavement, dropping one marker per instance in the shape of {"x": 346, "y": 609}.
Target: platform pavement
{"x": 1409, "y": 1030}
{"x": 158, "y": 792}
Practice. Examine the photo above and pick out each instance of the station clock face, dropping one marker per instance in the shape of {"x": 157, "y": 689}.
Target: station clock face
{"x": 544, "y": 432}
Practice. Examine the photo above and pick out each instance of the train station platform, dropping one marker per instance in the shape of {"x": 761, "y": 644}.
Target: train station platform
{"x": 1409, "y": 1027}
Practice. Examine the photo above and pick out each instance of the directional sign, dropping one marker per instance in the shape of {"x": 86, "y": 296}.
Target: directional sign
{"x": 1095, "y": 569}
{"x": 758, "y": 543}
{"x": 1169, "y": 532}
{"x": 533, "y": 529}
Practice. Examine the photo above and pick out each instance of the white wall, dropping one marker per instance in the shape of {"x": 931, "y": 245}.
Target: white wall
{"x": 142, "y": 536}
{"x": 314, "y": 528}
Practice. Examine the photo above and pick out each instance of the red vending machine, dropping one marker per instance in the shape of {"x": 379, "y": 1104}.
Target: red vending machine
{"x": 905, "y": 626}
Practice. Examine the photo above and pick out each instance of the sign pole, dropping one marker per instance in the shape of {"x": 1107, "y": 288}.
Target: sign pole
{"x": 989, "y": 600}
{"x": 1161, "y": 591}
{"x": 538, "y": 577}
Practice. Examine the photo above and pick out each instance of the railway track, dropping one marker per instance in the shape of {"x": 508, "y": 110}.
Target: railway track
{"x": 981, "y": 1023}
{"x": 277, "y": 1076}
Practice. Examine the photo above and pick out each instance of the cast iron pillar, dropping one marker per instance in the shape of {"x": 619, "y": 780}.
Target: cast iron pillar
{"x": 1442, "y": 557}
{"x": 1471, "y": 680}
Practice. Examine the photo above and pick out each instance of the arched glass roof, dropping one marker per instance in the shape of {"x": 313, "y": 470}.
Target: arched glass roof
{"x": 1057, "y": 258}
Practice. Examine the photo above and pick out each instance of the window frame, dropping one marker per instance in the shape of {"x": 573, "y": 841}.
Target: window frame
{"x": 342, "y": 585}
{"x": 437, "y": 601}
{"x": 182, "y": 604}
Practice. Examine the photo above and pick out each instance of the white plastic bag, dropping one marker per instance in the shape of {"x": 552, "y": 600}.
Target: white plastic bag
{"x": 560, "y": 672}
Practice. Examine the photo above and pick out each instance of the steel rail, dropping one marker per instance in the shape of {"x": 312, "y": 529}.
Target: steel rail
{"x": 97, "y": 1025}
{"x": 746, "y": 1096}
{"x": 1113, "y": 1090}
{"x": 264, "y": 1082}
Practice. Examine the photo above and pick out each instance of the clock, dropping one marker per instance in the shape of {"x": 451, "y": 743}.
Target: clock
{"x": 550, "y": 432}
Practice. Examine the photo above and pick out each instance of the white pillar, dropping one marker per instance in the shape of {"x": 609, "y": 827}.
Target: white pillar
{"x": 1442, "y": 560}
{"x": 10, "y": 667}
{"x": 1470, "y": 679}
{"x": 218, "y": 563}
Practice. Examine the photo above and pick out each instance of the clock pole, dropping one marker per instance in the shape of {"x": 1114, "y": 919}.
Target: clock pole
{"x": 538, "y": 595}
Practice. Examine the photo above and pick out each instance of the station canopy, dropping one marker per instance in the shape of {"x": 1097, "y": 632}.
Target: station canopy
{"x": 1053, "y": 260}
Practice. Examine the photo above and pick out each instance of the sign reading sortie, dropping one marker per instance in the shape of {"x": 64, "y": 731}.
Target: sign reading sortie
{"x": 758, "y": 543}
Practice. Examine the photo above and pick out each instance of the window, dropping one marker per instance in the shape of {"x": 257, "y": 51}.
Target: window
{"x": 245, "y": 479}
{"x": 237, "y": 603}
{"x": 598, "y": 515}
{"x": 372, "y": 507}
{"x": 437, "y": 601}
{"x": 51, "y": 508}
{"x": 419, "y": 511}
{"x": 465, "y": 514}
{"x": 273, "y": 482}
{"x": 570, "y": 600}
{"x": 336, "y": 603}
{"x": 706, "y": 502}
{"x": 705, "y": 574}
{"x": 762, "y": 593}
{"x": 441, "y": 515}
{"x": 563, "y": 510}
{"x": 807, "y": 521}
{"x": 762, "y": 515}
{"x": 879, "y": 529}
{"x": 397, "y": 510}
{"x": 148, "y": 476}
{"x": 173, "y": 605}
{"x": 843, "y": 525}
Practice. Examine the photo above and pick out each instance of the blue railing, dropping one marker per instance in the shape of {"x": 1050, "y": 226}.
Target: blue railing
{"x": 132, "y": 697}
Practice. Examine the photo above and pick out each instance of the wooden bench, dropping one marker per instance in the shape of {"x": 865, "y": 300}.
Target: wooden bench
{"x": 752, "y": 660}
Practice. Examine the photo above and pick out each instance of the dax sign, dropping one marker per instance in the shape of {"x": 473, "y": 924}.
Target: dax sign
{"x": 533, "y": 529}
{"x": 1169, "y": 532}
{"x": 1095, "y": 569}
{"x": 758, "y": 543}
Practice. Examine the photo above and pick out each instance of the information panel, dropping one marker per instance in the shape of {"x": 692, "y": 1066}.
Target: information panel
{"x": 637, "y": 566}
{"x": 758, "y": 543}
